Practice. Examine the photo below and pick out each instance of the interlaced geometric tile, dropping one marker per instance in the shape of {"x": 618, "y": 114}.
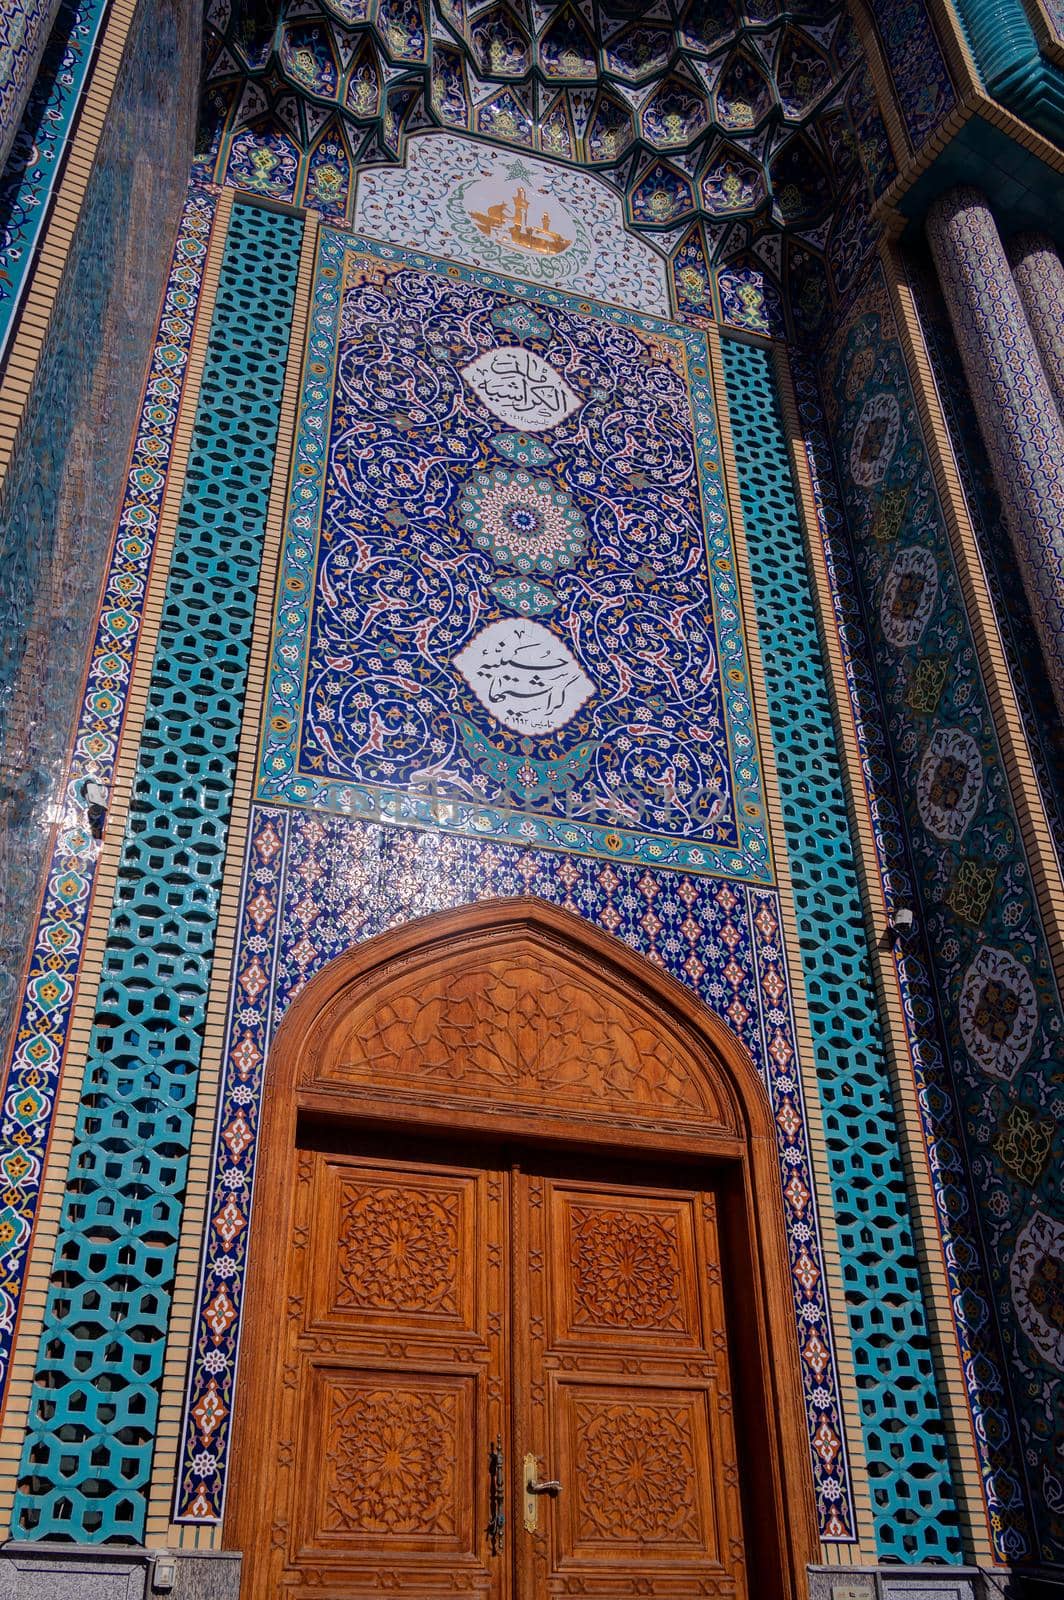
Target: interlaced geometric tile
{"x": 94, "y": 1407}
{"x": 905, "y": 1447}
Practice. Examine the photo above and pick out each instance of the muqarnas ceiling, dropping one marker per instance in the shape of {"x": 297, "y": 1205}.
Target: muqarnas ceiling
{"x": 744, "y": 138}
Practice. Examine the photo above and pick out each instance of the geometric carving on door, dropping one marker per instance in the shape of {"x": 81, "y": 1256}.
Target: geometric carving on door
{"x": 391, "y": 1455}
{"x": 437, "y": 1314}
{"x": 399, "y": 1248}
{"x": 640, "y": 1472}
{"x": 626, "y": 1270}
{"x": 522, "y": 1033}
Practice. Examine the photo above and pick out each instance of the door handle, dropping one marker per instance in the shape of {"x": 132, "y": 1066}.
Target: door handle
{"x": 534, "y": 1487}
{"x": 496, "y": 1498}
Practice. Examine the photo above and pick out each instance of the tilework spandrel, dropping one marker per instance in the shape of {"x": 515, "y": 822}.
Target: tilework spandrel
{"x": 1003, "y": 1021}
{"x": 65, "y": 481}
{"x": 499, "y": 209}
{"x": 508, "y": 598}
{"x": 315, "y": 885}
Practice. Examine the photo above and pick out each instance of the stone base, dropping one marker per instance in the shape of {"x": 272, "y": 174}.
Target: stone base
{"x": 897, "y": 1582}
{"x": 90, "y": 1572}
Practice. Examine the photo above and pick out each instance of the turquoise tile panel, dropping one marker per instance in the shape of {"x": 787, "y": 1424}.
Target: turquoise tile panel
{"x": 95, "y": 1400}
{"x": 901, "y": 1419}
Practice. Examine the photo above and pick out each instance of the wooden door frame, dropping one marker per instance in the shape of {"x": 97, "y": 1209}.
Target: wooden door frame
{"x": 736, "y": 1138}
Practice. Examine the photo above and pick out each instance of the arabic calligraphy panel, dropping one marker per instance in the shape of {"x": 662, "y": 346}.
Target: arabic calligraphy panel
{"x": 524, "y": 676}
{"x": 520, "y": 388}
{"x": 409, "y": 676}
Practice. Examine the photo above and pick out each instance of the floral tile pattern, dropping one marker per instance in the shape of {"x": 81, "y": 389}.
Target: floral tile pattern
{"x": 616, "y": 722}
{"x": 1001, "y": 1012}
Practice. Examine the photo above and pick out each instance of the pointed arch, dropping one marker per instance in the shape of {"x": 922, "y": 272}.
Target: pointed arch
{"x": 600, "y": 1037}
{"x": 514, "y": 1020}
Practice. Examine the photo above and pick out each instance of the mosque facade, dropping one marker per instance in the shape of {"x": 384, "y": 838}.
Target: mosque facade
{"x": 531, "y": 899}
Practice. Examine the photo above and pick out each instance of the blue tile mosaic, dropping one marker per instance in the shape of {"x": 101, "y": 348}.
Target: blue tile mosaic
{"x": 1005, "y": 1490}
{"x": 910, "y": 1479}
{"x": 1003, "y": 1021}
{"x": 408, "y": 678}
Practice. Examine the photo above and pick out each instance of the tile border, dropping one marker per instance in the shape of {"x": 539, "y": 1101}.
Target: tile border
{"x": 49, "y": 1047}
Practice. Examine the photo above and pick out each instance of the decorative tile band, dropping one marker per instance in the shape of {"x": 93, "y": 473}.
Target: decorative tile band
{"x": 39, "y": 1043}
{"x": 95, "y": 1403}
{"x": 316, "y": 884}
{"x": 993, "y": 1430}
{"x": 34, "y": 164}
{"x": 1001, "y": 1015}
{"x": 901, "y": 1415}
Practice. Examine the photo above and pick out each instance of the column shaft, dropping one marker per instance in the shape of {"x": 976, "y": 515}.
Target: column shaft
{"x": 1039, "y": 276}
{"x": 1018, "y": 417}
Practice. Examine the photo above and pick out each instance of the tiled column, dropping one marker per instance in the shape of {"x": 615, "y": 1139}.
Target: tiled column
{"x": 1017, "y": 413}
{"x": 1039, "y": 276}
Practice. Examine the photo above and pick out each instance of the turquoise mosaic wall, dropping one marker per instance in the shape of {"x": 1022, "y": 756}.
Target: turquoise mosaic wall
{"x": 69, "y": 470}
{"x": 901, "y": 1419}
{"x": 89, "y": 1446}
{"x": 1000, "y": 1010}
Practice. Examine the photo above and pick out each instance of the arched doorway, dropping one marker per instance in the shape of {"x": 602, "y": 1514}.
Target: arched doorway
{"x": 517, "y": 1222}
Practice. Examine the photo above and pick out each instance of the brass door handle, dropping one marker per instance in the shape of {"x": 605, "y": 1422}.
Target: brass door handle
{"x": 534, "y": 1487}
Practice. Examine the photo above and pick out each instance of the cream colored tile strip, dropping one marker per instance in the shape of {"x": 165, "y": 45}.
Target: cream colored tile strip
{"x": 28, "y": 342}
{"x": 949, "y": 1367}
{"x": 864, "y": 1550}
{"x": 1046, "y": 878}
{"x": 159, "y": 1529}
{"x": 35, "y": 1292}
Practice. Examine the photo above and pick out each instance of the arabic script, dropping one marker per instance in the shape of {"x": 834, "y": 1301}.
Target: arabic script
{"x": 520, "y": 388}
{"x": 526, "y": 677}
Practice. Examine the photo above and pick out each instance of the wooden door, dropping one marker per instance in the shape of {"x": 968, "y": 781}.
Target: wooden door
{"x": 621, "y": 1392}
{"x": 393, "y": 1381}
{"x": 454, "y": 1328}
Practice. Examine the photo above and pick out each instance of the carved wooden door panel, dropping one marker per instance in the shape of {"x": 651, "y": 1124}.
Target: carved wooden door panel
{"x": 397, "y": 1323}
{"x": 622, "y": 1393}
{"x": 436, "y": 1308}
